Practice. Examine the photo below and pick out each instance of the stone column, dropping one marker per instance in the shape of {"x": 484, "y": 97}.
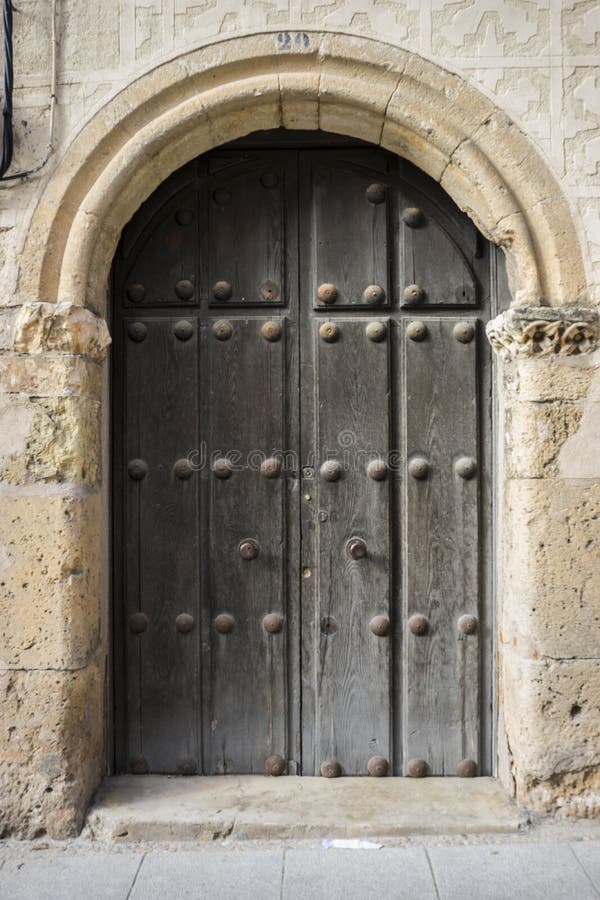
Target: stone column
{"x": 548, "y": 553}
{"x": 52, "y": 649}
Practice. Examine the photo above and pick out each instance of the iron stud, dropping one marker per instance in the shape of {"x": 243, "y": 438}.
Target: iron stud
{"x": 183, "y": 330}
{"x": 184, "y": 623}
{"x": 413, "y": 217}
{"x": 137, "y": 469}
{"x": 187, "y": 766}
{"x": 467, "y": 768}
{"x": 136, "y": 292}
{"x": 222, "y": 196}
{"x": 418, "y": 625}
{"x": 271, "y": 331}
{"x": 380, "y": 626}
{"x": 331, "y": 769}
{"x": 376, "y": 331}
{"x": 184, "y": 289}
{"x": 329, "y": 332}
{"x": 269, "y": 180}
{"x": 374, "y": 294}
{"x": 275, "y": 765}
{"x": 327, "y": 293}
{"x": 465, "y": 467}
{"x": 376, "y": 193}
{"x": 222, "y": 468}
{"x": 378, "y": 766}
{"x": 331, "y": 470}
{"x": 272, "y": 623}
{"x": 464, "y": 332}
{"x": 183, "y": 469}
{"x": 269, "y": 291}
{"x": 137, "y": 331}
{"x": 468, "y": 624}
{"x": 417, "y": 768}
{"x": 356, "y": 548}
{"x": 222, "y": 330}
{"x": 222, "y": 290}
{"x": 418, "y": 467}
{"x": 249, "y": 549}
{"x": 377, "y": 470}
{"x": 413, "y": 294}
{"x": 416, "y": 331}
{"x": 137, "y": 622}
{"x": 184, "y": 216}
{"x": 224, "y": 623}
{"x": 270, "y": 467}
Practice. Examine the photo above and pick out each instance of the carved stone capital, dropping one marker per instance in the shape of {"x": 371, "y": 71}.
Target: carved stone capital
{"x": 39, "y": 327}
{"x": 544, "y": 331}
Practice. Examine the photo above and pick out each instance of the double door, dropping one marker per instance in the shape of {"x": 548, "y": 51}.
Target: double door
{"x": 300, "y": 471}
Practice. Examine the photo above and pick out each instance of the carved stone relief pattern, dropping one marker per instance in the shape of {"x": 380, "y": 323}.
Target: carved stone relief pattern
{"x": 490, "y": 28}
{"x": 581, "y": 117}
{"x": 581, "y": 27}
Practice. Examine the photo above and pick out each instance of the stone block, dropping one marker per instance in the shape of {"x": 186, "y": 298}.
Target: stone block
{"x": 51, "y": 376}
{"x": 534, "y": 434}
{"x": 50, "y": 595}
{"x": 544, "y": 379}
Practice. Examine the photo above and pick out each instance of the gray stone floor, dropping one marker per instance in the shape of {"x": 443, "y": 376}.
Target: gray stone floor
{"x": 557, "y": 864}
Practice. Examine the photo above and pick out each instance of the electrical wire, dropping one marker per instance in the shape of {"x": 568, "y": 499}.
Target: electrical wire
{"x": 7, "y": 138}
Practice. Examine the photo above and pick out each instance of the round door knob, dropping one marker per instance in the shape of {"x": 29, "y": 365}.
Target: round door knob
{"x": 373, "y": 294}
{"x": 327, "y": 293}
{"x": 376, "y": 331}
{"x": 412, "y": 217}
{"x": 331, "y": 470}
{"x": 222, "y": 468}
{"x": 413, "y": 294}
{"x": 272, "y": 623}
{"x": 380, "y": 626}
{"x": 249, "y": 549}
{"x": 464, "y": 332}
{"x": 222, "y": 330}
{"x": 418, "y": 624}
{"x": 184, "y": 623}
{"x": 356, "y": 548}
{"x": 468, "y": 624}
{"x": 224, "y": 623}
{"x": 137, "y": 469}
{"x": 377, "y": 470}
{"x": 329, "y": 332}
{"x": 271, "y": 467}
{"x": 222, "y": 290}
{"x": 417, "y": 768}
{"x": 331, "y": 769}
{"x": 467, "y": 768}
{"x": 271, "y": 331}
{"x": 465, "y": 467}
{"x": 137, "y": 622}
{"x": 416, "y": 331}
{"x": 275, "y": 765}
{"x": 418, "y": 467}
{"x": 378, "y": 766}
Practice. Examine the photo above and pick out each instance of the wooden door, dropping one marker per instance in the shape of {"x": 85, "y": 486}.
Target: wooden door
{"x": 301, "y": 471}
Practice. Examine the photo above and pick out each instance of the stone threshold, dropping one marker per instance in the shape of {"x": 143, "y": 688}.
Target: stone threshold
{"x": 255, "y": 807}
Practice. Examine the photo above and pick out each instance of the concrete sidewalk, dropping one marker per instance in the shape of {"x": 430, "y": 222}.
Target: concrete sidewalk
{"x": 518, "y": 867}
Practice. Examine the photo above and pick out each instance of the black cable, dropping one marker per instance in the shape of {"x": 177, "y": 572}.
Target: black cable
{"x": 7, "y": 107}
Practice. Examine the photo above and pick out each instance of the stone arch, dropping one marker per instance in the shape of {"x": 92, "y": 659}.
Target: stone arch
{"x": 355, "y": 86}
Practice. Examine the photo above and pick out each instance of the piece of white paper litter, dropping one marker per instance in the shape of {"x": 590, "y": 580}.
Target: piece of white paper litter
{"x": 349, "y": 844}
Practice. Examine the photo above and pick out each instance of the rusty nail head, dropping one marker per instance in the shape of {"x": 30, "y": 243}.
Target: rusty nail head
{"x": 138, "y": 622}
{"x": 380, "y": 626}
{"x": 137, "y": 331}
{"x": 249, "y": 549}
{"x": 222, "y": 290}
{"x": 183, "y": 330}
{"x": 376, "y": 192}
{"x": 413, "y": 217}
{"x": 417, "y": 768}
{"x": 137, "y": 469}
{"x": 376, "y": 331}
{"x": 378, "y": 766}
{"x": 222, "y": 468}
{"x": 224, "y": 623}
{"x": 327, "y": 293}
{"x": 331, "y": 769}
{"x": 468, "y": 624}
{"x": 270, "y": 467}
{"x": 416, "y": 331}
{"x": 466, "y": 467}
{"x": 467, "y": 768}
{"x": 275, "y": 765}
{"x": 273, "y": 623}
{"x": 356, "y": 548}
{"x": 413, "y": 294}
{"x": 329, "y": 332}
{"x": 184, "y": 289}
{"x": 184, "y": 623}
{"x": 222, "y": 330}
{"x": 418, "y": 467}
{"x": 138, "y": 765}
{"x": 331, "y": 470}
{"x": 271, "y": 331}
{"x": 377, "y": 470}
{"x": 418, "y": 624}
{"x": 373, "y": 294}
{"x": 464, "y": 332}
{"x": 187, "y": 766}
{"x": 136, "y": 292}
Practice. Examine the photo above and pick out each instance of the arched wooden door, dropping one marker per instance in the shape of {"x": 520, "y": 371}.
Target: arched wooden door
{"x": 301, "y": 469}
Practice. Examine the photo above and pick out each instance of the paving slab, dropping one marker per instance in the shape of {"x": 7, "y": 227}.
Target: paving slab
{"x": 159, "y": 807}
{"x": 62, "y": 876}
{"x": 344, "y": 874}
{"x": 588, "y": 854}
{"x": 210, "y": 873}
{"x": 497, "y": 872}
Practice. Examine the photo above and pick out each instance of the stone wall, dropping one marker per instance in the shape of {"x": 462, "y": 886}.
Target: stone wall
{"x": 143, "y": 86}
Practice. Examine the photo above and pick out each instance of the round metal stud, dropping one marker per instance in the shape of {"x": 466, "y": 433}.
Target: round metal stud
{"x": 183, "y": 330}
{"x": 378, "y": 766}
{"x": 374, "y": 294}
{"x": 136, "y": 292}
{"x": 249, "y": 549}
{"x": 222, "y": 468}
{"x": 412, "y": 295}
{"x": 356, "y": 548}
{"x": 418, "y": 625}
{"x": 137, "y": 469}
{"x": 468, "y": 624}
{"x": 272, "y": 623}
{"x": 329, "y": 332}
{"x": 376, "y": 331}
{"x": 275, "y": 765}
{"x": 327, "y": 293}
{"x": 417, "y": 768}
{"x": 184, "y": 216}
{"x": 465, "y": 467}
{"x": 416, "y": 331}
{"x": 464, "y": 332}
{"x": 187, "y": 766}
{"x": 413, "y": 217}
{"x": 269, "y": 180}
{"x": 224, "y": 623}
{"x": 222, "y": 196}
{"x": 138, "y": 765}
{"x": 377, "y": 470}
{"x": 418, "y": 467}
{"x": 222, "y": 290}
{"x": 184, "y": 623}
{"x": 137, "y": 331}
{"x": 137, "y": 622}
{"x": 380, "y": 626}
{"x": 183, "y": 469}
{"x": 272, "y": 331}
{"x": 331, "y": 470}
{"x": 269, "y": 291}
{"x": 184, "y": 289}
{"x": 467, "y": 768}
{"x": 270, "y": 467}
{"x": 376, "y": 193}
{"x": 331, "y": 769}
{"x": 222, "y": 330}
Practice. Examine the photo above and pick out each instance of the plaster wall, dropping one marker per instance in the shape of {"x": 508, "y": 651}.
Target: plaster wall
{"x": 130, "y": 75}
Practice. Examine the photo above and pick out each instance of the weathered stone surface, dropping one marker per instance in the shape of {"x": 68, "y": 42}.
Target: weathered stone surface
{"x": 52, "y": 375}
{"x": 558, "y": 377}
{"x": 39, "y": 327}
{"x": 544, "y": 331}
{"x": 534, "y": 435}
{"x": 50, "y": 557}
{"x": 51, "y": 749}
